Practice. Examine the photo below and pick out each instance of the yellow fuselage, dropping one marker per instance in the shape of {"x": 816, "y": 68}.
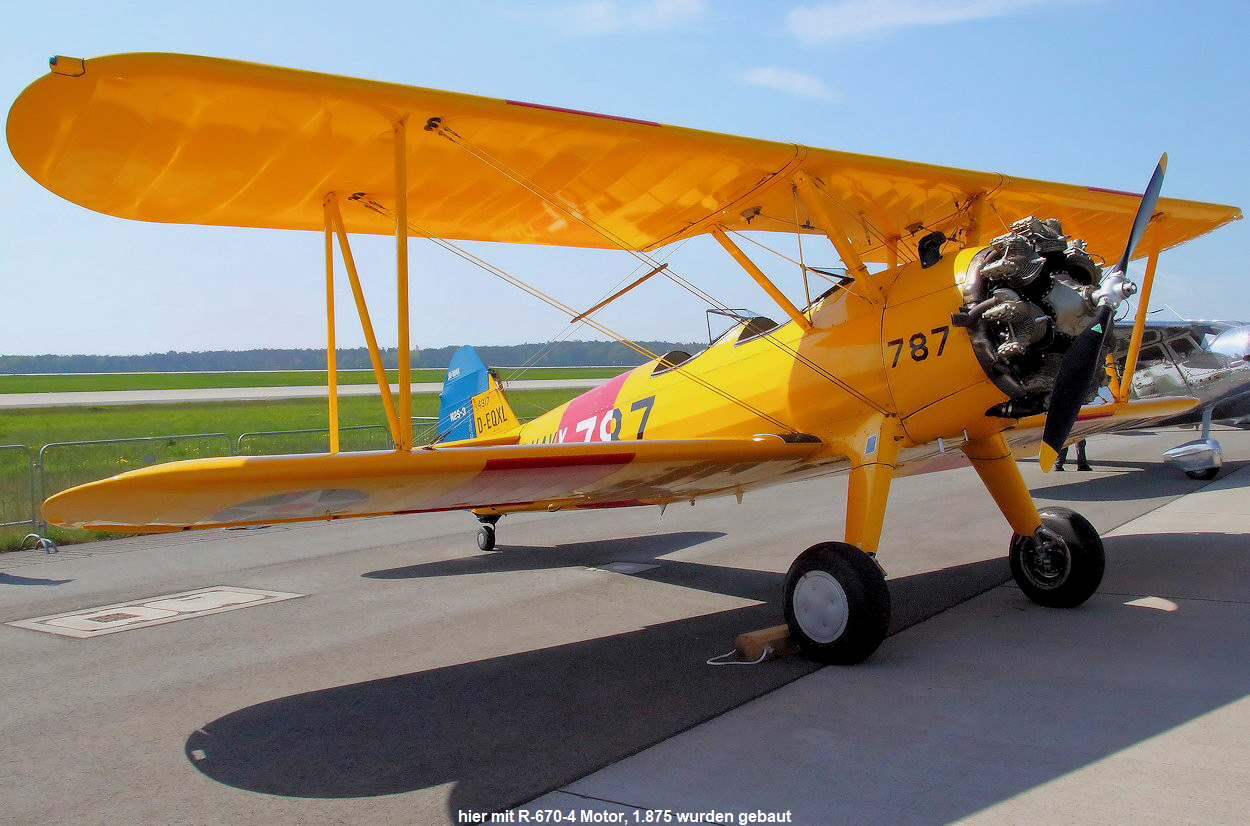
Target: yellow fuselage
{"x": 901, "y": 357}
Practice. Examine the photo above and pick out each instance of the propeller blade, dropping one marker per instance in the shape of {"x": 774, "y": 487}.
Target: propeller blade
{"x": 1145, "y": 211}
{"x": 1080, "y": 363}
{"x": 1076, "y": 375}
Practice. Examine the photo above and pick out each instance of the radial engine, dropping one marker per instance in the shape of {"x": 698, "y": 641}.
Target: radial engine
{"x": 1026, "y": 296}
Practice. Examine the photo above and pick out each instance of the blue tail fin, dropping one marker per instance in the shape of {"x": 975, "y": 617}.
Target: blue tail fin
{"x": 472, "y": 403}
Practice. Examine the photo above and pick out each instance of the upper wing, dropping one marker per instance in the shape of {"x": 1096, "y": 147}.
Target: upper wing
{"x": 207, "y": 493}
{"x": 182, "y": 139}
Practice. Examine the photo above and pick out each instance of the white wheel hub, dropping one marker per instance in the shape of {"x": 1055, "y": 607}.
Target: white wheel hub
{"x": 821, "y": 608}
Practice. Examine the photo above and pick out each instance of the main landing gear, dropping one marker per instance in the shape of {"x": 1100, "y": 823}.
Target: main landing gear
{"x": 1062, "y": 564}
{"x": 836, "y": 603}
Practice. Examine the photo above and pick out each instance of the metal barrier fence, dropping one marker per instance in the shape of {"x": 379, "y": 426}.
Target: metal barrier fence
{"x": 424, "y": 429}
{"x": 272, "y": 442}
{"x": 27, "y": 479}
{"x": 17, "y": 486}
{"x": 63, "y": 465}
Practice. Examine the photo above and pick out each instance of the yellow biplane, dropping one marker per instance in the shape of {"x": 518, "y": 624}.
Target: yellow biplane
{"x": 960, "y": 322}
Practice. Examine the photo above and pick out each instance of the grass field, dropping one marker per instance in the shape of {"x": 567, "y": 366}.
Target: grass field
{"x": 65, "y": 466}
{"x": 86, "y": 382}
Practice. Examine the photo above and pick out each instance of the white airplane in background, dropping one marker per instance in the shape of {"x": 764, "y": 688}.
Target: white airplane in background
{"x": 1209, "y": 360}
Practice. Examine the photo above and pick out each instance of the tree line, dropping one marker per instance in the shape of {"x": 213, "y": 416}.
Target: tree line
{"x": 554, "y": 354}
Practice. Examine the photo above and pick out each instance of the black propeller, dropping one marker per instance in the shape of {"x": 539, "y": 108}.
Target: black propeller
{"x": 1080, "y": 363}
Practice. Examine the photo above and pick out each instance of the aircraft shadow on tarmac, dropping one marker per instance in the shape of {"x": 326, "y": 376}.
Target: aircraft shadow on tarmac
{"x": 1141, "y": 480}
{"x": 508, "y": 729}
{"x": 645, "y": 549}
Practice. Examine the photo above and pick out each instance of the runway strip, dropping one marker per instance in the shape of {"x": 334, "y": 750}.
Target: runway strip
{"x": 14, "y": 401}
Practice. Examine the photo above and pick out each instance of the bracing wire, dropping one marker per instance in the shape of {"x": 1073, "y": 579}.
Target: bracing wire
{"x": 798, "y": 240}
{"x": 512, "y": 280}
{"x": 435, "y": 125}
{"x": 568, "y": 329}
{"x": 569, "y": 210}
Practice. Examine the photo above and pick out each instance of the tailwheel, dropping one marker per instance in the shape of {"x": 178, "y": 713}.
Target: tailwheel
{"x": 486, "y": 533}
{"x": 836, "y": 603}
{"x": 1062, "y": 564}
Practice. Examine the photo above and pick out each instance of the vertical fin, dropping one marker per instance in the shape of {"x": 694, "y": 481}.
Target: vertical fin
{"x": 472, "y": 403}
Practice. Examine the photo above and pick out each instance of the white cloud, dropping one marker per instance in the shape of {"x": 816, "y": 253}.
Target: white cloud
{"x": 784, "y": 80}
{"x": 607, "y": 16}
{"x": 848, "y": 18}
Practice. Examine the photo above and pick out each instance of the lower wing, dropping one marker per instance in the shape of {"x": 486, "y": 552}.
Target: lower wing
{"x": 1026, "y": 435}
{"x": 237, "y": 491}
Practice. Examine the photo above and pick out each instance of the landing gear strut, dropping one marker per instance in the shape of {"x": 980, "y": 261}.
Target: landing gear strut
{"x": 836, "y": 603}
{"x": 486, "y": 533}
{"x": 1062, "y": 563}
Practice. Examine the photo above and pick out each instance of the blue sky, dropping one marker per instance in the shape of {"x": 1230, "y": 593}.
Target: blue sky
{"x": 1081, "y": 91}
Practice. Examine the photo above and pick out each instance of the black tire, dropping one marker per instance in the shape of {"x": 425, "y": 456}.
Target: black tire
{"x": 1059, "y": 574}
{"x": 837, "y": 604}
{"x": 486, "y": 538}
{"x": 1203, "y": 475}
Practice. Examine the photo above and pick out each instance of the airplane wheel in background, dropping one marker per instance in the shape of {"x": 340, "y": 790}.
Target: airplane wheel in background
{"x": 486, "y": 538}
{"x": 1061, "y": 570}
{"x": 1203, "y": 475}
{"x": 836, "y": 603}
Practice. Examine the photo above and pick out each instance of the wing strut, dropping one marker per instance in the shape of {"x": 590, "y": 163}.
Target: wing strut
{"x": 810, "y": 196}
{"x": 366, "y": 326}
{"x": 760, "y": 278}
{"x": 403, "y": 440}
{"x": 399, "y": 419}
{"x": 332, "y": 367}
{"x": 1139, "y": 328}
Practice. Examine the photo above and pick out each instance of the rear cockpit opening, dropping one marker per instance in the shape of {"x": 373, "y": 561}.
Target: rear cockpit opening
{"x": 747, "y": 325}
{"x": 671, "y": 359}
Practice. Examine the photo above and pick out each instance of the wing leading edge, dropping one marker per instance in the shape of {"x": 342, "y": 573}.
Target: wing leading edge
{"x": 209, "y": 493}
{"x": 184, "y": 139}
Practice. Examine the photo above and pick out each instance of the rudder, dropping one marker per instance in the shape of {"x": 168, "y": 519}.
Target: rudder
{"x": 472, "y": 403}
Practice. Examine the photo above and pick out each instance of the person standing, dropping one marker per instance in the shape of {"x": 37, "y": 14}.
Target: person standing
{"x": 1082, "y": 463}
